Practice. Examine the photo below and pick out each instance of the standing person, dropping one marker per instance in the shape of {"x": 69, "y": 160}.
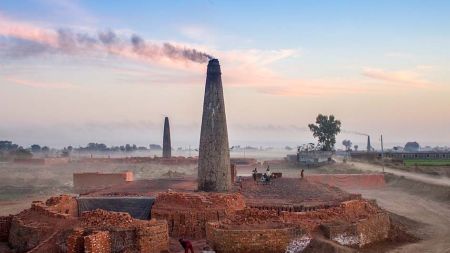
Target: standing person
{"x": 254, "y": 172}
{"x": 301, "y": 173}
{"x": 268, "y": 173}
{"x": 187, "y": 245}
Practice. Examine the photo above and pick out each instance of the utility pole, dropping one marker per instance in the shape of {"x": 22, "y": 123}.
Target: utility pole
{"x": 382, "y": 152}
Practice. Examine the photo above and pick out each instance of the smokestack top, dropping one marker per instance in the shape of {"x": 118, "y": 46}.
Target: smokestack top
{"x": 213, "y": 67}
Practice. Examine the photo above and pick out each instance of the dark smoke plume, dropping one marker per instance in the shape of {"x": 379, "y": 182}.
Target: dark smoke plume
{"x": 72, "y": 42}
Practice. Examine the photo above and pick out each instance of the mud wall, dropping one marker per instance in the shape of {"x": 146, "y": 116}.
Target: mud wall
{"x": 87, "y": 182}
{"x": 269, "y": 240}
{"x": 349, "y": 180}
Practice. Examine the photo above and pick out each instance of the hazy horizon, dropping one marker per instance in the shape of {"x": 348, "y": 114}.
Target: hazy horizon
{"x": 73, "y": 72}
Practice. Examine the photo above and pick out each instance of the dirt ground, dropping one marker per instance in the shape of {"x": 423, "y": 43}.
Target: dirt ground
{"x": 435, "y": 215}
{"x": 425, "y": 201}
{"x": 21, "y": 184}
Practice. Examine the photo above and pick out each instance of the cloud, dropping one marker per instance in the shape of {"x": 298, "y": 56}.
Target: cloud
{"x": 412, "y": 78}
{"x": 37, "y": 84}
{"x": 251, "y": 68}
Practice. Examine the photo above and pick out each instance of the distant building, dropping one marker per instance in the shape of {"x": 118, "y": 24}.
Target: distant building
{"x": 412, "y": 147}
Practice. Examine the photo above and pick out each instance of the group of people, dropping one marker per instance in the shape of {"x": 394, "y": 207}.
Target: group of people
{"x": 265, "y": 177}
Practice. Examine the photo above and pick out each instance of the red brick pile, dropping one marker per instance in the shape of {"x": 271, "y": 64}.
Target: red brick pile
{"x": 188, "y": 213}
{"x": 251, "y": 216}
{"x": 347, "y": 212}
{"x": 42, "y": 209}
{"x": 97, "y": 242}
{"x": 180, "y": 200}
{"x": 102, "y": 219}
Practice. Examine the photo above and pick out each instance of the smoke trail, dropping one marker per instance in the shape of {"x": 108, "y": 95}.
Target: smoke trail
{"x": 72, "y": 42}
{"x": 354, "y": 132}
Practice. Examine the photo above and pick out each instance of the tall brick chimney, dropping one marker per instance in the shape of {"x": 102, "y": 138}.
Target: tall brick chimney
{"x": 214, "y": 173}
{"x": 167, "y": 148}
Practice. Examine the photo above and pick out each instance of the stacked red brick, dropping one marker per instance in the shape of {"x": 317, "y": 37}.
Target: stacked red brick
{"x": 250, "y": 230}
{"x": 141, "y": 235}
{"x": 97, "y": 242}
{"x": 254, "y": 239}
{"x": 188, "y": 213}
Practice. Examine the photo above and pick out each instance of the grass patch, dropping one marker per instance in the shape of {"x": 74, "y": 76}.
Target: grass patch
{"x": 439, "y": 162}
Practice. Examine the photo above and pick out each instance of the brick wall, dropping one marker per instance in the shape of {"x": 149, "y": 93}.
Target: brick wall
{"x": 97, "y": 242}
{"x": 347, "y": 212}
{"x": 5, "y": 226}
{"x": 249, "y": 240}
{"x": 125, "y": 234}
{"x": 42, "y": 209}
{"x": 152, "y": 237}
{"x": 63, "y": 204}
{"x": 75, "y": 241}
{"x": 373, "y": 229}
{"x": 334, "y": 230}
{"x": 23, "y": 237}
{"x": 188, "y": 213}
{"x": 365, "y": 231}
{"x": 123, "y": 239}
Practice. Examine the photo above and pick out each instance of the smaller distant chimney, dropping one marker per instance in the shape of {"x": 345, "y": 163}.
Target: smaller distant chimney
{"x": 167, "y": 147}
{"x": 369, "y": 147}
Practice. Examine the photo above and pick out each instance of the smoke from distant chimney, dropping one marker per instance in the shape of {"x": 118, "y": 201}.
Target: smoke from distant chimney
{"x": 354, "y": 132}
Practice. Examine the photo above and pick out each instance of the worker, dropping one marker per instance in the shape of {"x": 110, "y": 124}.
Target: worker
{"x": 268, "y": 173}
{"x": 187, "y": 245}
{"x": 254, "y": 172}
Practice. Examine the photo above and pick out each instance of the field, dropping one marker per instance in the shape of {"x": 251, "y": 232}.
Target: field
{"x": 440, "y": 162}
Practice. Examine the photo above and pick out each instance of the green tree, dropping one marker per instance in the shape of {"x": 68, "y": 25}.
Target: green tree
{"x": 325, "y": 130}
{"x": 35, "y": 148}
{"x": 347, "y": 144}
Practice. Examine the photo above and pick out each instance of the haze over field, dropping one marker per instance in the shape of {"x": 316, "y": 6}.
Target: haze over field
{"x": 72, "y": 72}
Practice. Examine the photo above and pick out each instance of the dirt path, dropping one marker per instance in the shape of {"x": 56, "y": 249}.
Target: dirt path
{"x": 444, "y": 181}
{"x": 436, "y": 215}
